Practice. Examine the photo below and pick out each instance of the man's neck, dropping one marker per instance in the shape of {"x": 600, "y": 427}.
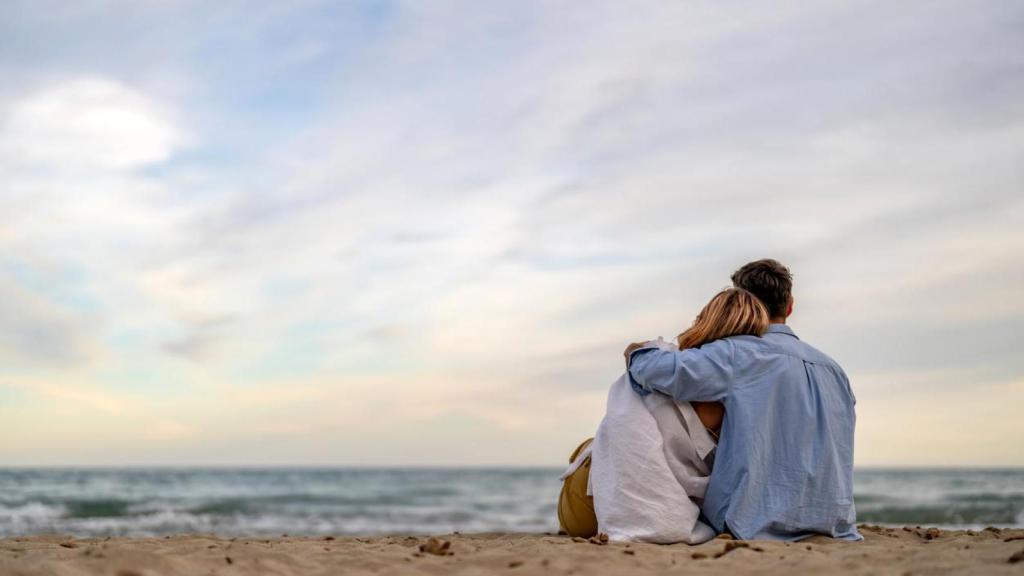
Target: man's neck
{"x": 777, "y": 320}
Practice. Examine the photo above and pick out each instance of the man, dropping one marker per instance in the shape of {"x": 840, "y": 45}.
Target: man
{"x": 784, "y": 465}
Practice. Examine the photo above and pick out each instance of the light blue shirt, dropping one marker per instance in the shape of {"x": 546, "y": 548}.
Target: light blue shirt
{"x": 784, "y": 467}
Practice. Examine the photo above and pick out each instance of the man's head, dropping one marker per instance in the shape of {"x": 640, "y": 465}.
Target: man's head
{"x": 771, "y": 282}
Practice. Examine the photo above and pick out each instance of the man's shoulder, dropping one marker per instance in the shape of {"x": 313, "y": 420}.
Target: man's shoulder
{"x": 785, "y": 344}
{"x": 816, "y": 356}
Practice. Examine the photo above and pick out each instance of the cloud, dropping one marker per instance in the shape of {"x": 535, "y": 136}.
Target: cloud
{"x": 200, "y": 340}
{"x": 35, "y": 332}
{"x": 73, "y": 398}
{"x": 87, "y": 123}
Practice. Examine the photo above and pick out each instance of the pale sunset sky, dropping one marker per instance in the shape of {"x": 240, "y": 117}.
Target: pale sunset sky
{"x": 421, "y": 233}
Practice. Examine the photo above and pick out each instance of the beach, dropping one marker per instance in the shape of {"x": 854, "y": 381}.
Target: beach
{"x": 907, "y": 550}
{"x": 139, "y": 522}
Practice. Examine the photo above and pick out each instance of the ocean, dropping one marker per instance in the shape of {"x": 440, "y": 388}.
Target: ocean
{"x": 272, "y": 502}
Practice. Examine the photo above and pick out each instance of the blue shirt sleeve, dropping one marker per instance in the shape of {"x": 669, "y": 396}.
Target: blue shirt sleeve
{"x": 695, "y": 374}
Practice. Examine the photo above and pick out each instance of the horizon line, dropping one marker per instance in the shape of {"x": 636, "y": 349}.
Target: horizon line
{"x": 428, "y": 467}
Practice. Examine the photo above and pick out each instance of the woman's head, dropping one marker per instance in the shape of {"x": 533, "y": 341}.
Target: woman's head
{"x": 732, "y": 312}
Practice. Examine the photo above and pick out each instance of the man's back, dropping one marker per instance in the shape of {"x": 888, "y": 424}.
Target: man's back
{"x": 784, "y": 467}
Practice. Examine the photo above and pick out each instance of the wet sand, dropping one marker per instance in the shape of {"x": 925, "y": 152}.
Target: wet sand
{"x": 899, "y": 551}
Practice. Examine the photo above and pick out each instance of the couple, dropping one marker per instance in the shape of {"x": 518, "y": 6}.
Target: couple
{"x": 741, "y": 428}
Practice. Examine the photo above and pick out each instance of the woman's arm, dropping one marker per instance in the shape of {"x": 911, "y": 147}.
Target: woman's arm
{"x": 711, "y": 414}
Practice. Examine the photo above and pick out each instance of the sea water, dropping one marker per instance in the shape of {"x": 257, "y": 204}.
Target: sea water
{"x": 272, "y": 502}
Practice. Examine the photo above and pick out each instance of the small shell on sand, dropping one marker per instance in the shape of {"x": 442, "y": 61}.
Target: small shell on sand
{"x": 437, "y": 547}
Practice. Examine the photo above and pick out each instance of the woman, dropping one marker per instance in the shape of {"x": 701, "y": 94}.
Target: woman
{"x": 643, "y": 476}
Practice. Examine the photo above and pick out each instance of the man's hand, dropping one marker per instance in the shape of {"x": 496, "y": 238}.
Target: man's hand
{"x": 632, "y": 348}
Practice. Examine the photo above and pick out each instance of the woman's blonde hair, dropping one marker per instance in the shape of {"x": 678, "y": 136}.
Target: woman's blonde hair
{"x": 732, "y": 312}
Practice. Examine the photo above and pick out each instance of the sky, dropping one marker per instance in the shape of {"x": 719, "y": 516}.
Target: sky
{"x": 422, "y": 233}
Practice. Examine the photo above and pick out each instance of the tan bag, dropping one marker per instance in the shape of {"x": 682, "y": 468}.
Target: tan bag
{"x": 576, "y": 515}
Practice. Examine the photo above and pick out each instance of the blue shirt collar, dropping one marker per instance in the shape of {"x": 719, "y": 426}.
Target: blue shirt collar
{"x": 782, "y": 329}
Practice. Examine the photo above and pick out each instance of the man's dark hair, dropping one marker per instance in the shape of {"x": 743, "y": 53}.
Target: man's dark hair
{"x": 770, "y": 281}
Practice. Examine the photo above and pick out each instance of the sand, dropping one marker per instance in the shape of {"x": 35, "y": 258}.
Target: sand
{"x": 884, "y": 551}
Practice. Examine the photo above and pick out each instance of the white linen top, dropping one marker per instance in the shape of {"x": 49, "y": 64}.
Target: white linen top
{"x": 650, "y": 462}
